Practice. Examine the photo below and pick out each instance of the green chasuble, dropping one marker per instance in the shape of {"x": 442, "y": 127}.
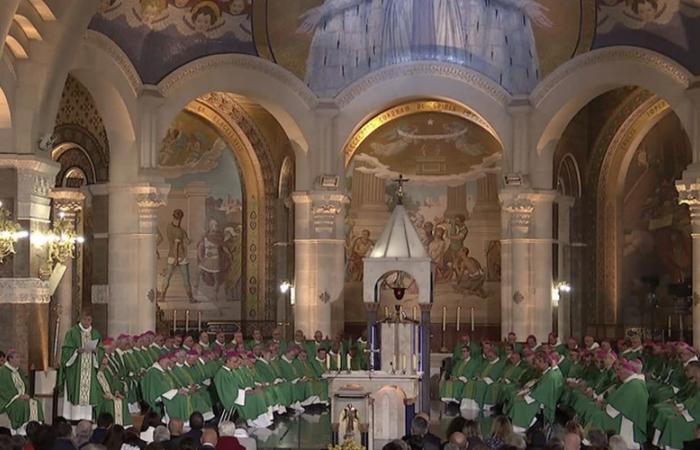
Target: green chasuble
{"x": 282, "y": 389}
{"x": 464, "y": 370}
{"x": 633, "y": 353}
{"x": 316, "y": 388}
{"x": 159, "y": 387}
{"x": 506, "y": 386}
{"x": 543, "y": 395}
{"x": 110, "y": 401}
{"x": 289, "y": 373}
{"x": 625, "y": 412}
{"x": 676, "y": 424}
{"x": 231, "y": 391}
{"x": 200, "y": 399}
{"x": 13, "y": 384}
{"x": 475, "y": 389}
{"x": 79, "y": 370}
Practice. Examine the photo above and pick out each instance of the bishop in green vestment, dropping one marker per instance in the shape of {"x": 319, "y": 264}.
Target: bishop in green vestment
{"x": 14, "y": 396}
{"x": 466, "y": 368}
{"x": 624, "y": 411}
{"x": 234, "y": 397}
{"x": 475, "y": 389}
{"x": 112, "y": 400}
{"x": 159, "y": 388}
{"x": 675, "y": 423}
{"x": 80, "y": 359}
{"x": 544, "y": 395}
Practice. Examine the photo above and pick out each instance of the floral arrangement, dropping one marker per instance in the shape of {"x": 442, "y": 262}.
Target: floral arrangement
{"x": 348, "y": 444}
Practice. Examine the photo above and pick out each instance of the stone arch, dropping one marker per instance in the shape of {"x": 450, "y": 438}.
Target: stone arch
{"x": 596, "y": 72}
{"x": 568, "y": 180}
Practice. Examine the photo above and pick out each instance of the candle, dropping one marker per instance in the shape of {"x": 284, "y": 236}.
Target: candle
{"x": 328, "y": 363}
{"x": 174, "y": 321}
{"x": 420, "y": 348}
{"x": 395, "y": 361}
{"x": 459, "y": 313}
{"x": 400, "y": 312}
{"x": 338, "y": 361}
{"x": 444, "y": 318}
{"x": 472, "y": 318}
{"x": 371, "y": 348}
{"x": 187, "y": 321}
{"x": 199, "y": 320}
{"x": 403, "y": 362}
{"x": 415, "y": 314}
{"x": 415, "y": 363}
{"x": 348, "y": 359}
{"x": 386, "y": 312}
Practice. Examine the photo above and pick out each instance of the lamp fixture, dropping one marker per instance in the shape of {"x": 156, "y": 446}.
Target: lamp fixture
{"x": 285, "y": 286}
{"x": 10, "y": 233}
{"x": 60, "y": 240}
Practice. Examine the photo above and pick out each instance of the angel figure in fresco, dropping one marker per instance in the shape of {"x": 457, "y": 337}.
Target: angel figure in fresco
{"x": 360, "y": 248}
{"x": 177, "y": 254}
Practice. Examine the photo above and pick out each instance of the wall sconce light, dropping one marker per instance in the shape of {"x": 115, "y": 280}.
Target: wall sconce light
{"x": 557, "y": 289}
{"x": 285, "y": 286}
{"x": 61, "y": 240}
{"x": 10, "y": 233}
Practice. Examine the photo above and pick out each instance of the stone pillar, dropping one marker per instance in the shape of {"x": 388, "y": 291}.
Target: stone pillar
{"x": 541, "y": 317}
{"x": 425, "y": 356}
{"x": 132, "y": 256}
{"x": 565, "y": 204}
{"x": 68, "y": 204}
{"x": 689, "y": 193}
{"x": 517, "y": 303}
{"x": 319, "y": 266}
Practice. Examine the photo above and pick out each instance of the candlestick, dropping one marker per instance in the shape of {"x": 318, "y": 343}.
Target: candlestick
{"x": 338, "y": 361}
{"x": 174, "y": 321}
{"x": 199, "y": 320}
{"x": 371, "y": 347}
{"x": 403, "y": 362}
{"x": 414, "y": 364}
{"x": 348, "y": 360}
{"x": 472, "y": 318}
{"x": 187, "y": 321}
{"x": 328, "y": 363}
{"x": 415, "y": 314}
{"x": 444, "y": 318}
{"x": 459, "y": 313}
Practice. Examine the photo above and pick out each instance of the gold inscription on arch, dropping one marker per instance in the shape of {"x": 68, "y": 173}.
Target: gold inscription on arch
{"x": 413, "y": 108}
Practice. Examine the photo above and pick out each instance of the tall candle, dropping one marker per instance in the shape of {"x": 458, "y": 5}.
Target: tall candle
{"x": 395, "y": 361}
{"x": 386, "y": 312}
{"x": 415, "y": 363}
{"x": 371, "y": 347}
{"x": 199, "y": 320}
{"x": 328, "y": 363}
{"x": 415, "y": 314}
{"x": 459, "y": 313}
{"x": 338, "y": 361}
{"x": 403, "y": 361}
{"x": 472, "y": 318}
{"x": 187, "y": 321}
{"x": 444, "y": 318}
{"x": 420, "y": 348}
{"x": 400, "y": 312}
{"x": 348, "y": 360}
{"x": 174, "y": 321}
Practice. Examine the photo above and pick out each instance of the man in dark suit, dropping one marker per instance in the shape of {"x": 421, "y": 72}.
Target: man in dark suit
{"x": 420, "y": 437}
{"x": 196, "y": 425}
{"x": 209, "y": 439}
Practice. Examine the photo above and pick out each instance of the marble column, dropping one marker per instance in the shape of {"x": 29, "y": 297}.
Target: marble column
{"x": 457, "y": 201}
{"x": 565, "y": 203}
{"x": 319, "y": 267}
{"x": 132, "y": 256}
{"x": 542, "y": 244}
{"x": 68, "y": 204}
{"x": 425, "y": 356}
{"x": 517, "y": 302}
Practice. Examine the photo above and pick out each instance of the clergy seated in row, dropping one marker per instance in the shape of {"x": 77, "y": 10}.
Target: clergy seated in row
{"x": 676, "y": 420}
{"x": 113, "y": 400}
{"x": 14, "y": 398}
{"x": 162, "y": 392}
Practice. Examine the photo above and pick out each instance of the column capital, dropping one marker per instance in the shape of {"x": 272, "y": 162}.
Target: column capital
{"x": 149, "y": 197}
{"x": 322, "y": 210}
{"x": 69, "y": 201}
{"x": 372, "y": 307}
{"x": 565, "y": 201}
{"x": 36, "y": 176}
{"x": 425, "y": 307}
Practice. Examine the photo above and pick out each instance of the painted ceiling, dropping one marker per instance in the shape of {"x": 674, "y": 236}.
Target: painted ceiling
{"x": 331, "y": 43}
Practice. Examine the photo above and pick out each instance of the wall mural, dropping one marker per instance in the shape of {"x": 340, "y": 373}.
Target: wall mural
{"x": 657, "y": 244}
{"x": 331, "y": 43}
{"x": 451, "y": 163}
{"x": 200, "y": 231}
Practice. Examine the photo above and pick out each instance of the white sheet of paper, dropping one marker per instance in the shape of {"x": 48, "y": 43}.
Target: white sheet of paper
{"x": 240, "y": 400}
{"x": 90, "y": 346}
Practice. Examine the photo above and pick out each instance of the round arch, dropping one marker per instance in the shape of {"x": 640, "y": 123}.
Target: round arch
{"x": 596, "y": 72}
{"x": 402, "y": 83}
{"x": 278, "y": 91}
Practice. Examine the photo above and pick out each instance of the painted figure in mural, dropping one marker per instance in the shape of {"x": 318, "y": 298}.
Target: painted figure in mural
{"x": 361, "y": 247}
{"x": 212, "y": 258}
{"x": 457, "y": 233}
{"x": 469, "y": 274}
{"x": 437, "y": 249}
{"x": 450, "y": 35}
{"x": 177, "y": 254}
{"x": 233, "y": 245}
{"x": 426, "y": 234}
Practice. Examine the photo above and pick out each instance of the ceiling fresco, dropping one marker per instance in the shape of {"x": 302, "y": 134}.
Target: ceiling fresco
{"x": 332, "y": 43}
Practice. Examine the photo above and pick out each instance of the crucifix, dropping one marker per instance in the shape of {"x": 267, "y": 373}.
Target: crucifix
{"x": 399, "y": 191}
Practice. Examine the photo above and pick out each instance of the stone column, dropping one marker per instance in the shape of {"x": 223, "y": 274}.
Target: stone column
{"x": 542, "y": 243}
{"x": 132, "y": 256}
{"x": 457, "y": 201}
{"x": 518, "y": 304}
{"x": 565, "y": 204}
{"x": 425, "y": 356}
{"x": 67, "y": 205}
{"x": 689, "y": 193}
{"x": 319, "y": 260}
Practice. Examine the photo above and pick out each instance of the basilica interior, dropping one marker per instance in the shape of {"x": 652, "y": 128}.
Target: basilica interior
{"x": 222, "y": 165}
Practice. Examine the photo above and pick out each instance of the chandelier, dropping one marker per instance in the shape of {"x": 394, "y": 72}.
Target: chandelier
{"x": 10, "y": 233}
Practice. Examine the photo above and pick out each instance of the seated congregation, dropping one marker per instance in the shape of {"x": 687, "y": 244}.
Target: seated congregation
{"x": 645, "y": 392}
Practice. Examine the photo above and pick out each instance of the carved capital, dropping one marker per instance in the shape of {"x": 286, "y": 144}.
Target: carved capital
{"x": 148, "y": 199}
{"x": 24, "y": 290}
{"x": 425, "y": 307}
{"x": 520, "y": 210}
{"x": 68, "y": 201}
{"x": 689, "y": 194}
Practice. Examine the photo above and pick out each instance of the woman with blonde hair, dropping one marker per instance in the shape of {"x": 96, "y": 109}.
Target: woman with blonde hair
{"x": 501, "y": 428}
